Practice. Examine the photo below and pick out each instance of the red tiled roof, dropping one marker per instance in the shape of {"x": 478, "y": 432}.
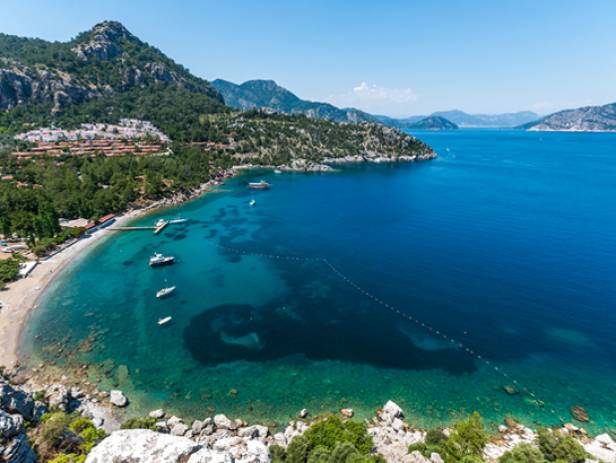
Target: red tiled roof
{"x": 106, "y": 218}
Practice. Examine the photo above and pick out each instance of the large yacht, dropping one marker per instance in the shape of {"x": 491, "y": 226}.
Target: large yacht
{"x": 158, "y": 260}
{"x": 261, "y": 185}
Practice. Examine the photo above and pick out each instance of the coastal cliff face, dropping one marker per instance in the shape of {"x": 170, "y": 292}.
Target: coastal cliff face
{"x": 586, "y": 119}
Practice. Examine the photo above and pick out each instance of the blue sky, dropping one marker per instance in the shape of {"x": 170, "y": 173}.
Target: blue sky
{"x": 391, "y": 57}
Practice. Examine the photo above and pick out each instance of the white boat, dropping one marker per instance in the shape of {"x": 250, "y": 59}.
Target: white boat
{"x": 160, "y": 223}
{"x": 158, "y": 260}
{"x": 165, "y": 292}
{"x": 164, "y": 321}
{"x": 178, "y": 220}
{"x": 277, "y": 171}
{"x": 261, "y": 185}
{"x": 252, "y": 202}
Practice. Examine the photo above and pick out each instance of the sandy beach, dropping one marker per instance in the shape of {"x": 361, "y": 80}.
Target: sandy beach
{"x": 20, "y": 297}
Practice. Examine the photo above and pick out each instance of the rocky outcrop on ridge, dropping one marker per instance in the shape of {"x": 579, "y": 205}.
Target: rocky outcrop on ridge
{"x": 60, "y": 74}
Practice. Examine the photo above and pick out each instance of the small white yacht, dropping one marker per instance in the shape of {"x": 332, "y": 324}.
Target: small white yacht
{"x": 165, "y": 292}
{"x": 178, "y": 220}
{"x": 158, "y": 260}
{"x": 164, "y": 321}
{"x": 252, "y": 202}
{"x": 261, "y": 185}
{"x": 277, "y": 171}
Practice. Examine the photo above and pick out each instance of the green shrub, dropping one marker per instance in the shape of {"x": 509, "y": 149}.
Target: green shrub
{"x": 465, "y": 442}
{"x": 523, "y": 453}
{"x": 332, "y": 430}
{"x": 140, "y": 423}
{"x": 297, "y": 450}
{"x": 329, "y": 441}
{"x": 68, "y": 458}
{"x": 556, "y": 447}
{"x": 277, "y": 453}
{"x": 467, "y": 439}
{"x": 435, "y": 437}
{"x": 64, "y": 438}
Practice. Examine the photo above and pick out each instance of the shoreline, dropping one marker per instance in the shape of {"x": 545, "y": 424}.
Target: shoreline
{"x": 21, "y": 297}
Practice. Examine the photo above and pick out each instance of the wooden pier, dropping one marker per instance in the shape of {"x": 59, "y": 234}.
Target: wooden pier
{"x": 157, "y": 229}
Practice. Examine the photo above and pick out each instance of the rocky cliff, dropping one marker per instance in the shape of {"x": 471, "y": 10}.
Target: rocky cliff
{"x": 100, "y": 62}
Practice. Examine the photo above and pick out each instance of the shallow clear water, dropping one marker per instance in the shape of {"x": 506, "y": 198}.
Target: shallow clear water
{"x": 506, "y": 243}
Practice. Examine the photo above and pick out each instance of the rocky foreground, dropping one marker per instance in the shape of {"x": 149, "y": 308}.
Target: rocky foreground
{"x": 221, "y": 439}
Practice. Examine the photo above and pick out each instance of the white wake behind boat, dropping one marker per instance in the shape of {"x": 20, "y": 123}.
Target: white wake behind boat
{"x": 164, "y": 321}
{"x": 165, "y": 292}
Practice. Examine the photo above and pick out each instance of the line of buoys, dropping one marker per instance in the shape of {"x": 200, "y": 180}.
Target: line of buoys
{"x": 378, "y": 301}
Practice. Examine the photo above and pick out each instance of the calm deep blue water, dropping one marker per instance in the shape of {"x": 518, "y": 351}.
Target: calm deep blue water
{"x": 506, "y": 244}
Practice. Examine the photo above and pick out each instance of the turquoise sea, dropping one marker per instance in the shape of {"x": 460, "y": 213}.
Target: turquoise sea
{"x": 503, "y": 250}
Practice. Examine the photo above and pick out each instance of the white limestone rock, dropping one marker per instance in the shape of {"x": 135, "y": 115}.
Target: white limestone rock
{"x": 393, "y": 444}
{"x": 256, "y": 452}
{"x": 602, "y": 448}
{"x": 390, "y": 412}
{"x": 143, "y": 446}
{"x": 179, "y": 429}
{"x": 254, "y": 431}
{"x": 157, "y": 414}
{"x": 221, "y": 421}
{"x": 172, "y": 421}
{"x": 210, "y": 456}
{"x": 118, "y": 398}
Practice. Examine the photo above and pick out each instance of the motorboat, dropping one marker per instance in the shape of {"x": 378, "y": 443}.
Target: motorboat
{"x": 158, "y": 260}
{"x": 164, "y": 321}
{"x": 260, "y": 185}
{"x": 165, "y": 292}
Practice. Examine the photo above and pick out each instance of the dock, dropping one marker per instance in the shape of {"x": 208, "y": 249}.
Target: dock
{"x": 157, "y": 229}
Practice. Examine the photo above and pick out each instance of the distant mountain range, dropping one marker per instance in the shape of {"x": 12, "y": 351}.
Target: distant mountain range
{"x": 267, "y": 94}
{"x": 585, "y": 119}
{"x": 488, "y": 120}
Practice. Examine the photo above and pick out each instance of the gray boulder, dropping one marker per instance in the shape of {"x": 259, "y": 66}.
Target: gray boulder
{"x": 10, "y": 425}
{"x": 16, "y": 401}
{"x": 18, "y": 450}
{"x": 143, "y": 446}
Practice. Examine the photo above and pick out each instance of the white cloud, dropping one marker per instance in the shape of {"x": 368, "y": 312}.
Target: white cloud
{"x": 375, "y": 98}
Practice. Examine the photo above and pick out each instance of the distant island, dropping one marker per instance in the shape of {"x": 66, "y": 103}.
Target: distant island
{"x": 585, "y": 119}
{"x": 433, "y": 123}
